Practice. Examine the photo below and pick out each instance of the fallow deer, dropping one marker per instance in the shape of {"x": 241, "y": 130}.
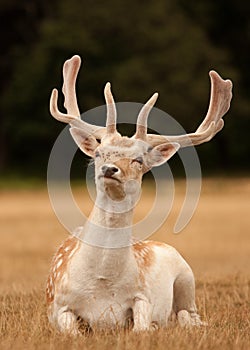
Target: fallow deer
{"x": 142, "y": 283}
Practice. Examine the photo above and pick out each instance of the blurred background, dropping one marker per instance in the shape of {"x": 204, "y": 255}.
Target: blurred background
{"x": 141, "y": 47}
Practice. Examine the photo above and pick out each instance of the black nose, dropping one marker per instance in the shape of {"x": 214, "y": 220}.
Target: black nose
{"x": 109, "y": 170}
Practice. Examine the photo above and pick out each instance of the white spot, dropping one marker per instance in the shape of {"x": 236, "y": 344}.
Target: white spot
{"x": 71, "y": 253}
{"x": 59, "y": 263}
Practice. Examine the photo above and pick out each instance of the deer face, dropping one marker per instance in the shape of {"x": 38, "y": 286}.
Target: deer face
{"x": 120, "y": 162}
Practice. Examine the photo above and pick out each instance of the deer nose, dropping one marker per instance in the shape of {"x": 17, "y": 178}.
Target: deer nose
{"x": 109, "y": 170}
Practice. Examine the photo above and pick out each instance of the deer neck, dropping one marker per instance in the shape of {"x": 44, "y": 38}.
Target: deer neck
{"x": 110, "y": 223}
{"x": 107, "y": 234}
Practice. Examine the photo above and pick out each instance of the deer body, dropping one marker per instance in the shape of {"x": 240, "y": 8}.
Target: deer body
{"x": 107, "y": 288}
{"x": 100, "y": 275}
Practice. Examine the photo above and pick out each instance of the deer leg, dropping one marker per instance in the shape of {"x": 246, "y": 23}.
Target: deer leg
{"x": 184, "y": 300}
{"x": 142, "y": 311}
{"x": 67, "y": 322}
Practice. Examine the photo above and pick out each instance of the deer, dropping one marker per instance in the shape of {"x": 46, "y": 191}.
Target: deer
{"x": 143, "y": 285}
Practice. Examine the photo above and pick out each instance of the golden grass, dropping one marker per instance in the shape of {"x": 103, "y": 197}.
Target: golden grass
{"x": 216, "y": 243}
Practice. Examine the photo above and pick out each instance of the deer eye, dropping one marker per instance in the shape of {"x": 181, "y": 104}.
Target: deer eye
{"x": 97, "y": 154}
{"x": 138, "y": 160}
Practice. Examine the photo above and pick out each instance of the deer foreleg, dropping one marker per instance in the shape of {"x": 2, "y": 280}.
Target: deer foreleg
{"x": 67, "y": 321}
{"x": 142, "y": 312}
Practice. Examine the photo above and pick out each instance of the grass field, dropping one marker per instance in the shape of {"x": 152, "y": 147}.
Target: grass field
{"x": 216, "y": 243}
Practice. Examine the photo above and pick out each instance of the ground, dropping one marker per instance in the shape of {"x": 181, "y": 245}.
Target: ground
{"x": 216, "y": 244}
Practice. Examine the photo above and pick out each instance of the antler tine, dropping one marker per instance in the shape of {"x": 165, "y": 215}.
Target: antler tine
{"x": 221, "y": 95}
{"x": 97, "y": 131}
{"x": 70, "y": 70}
{"x": 141, "y": 125}
{"x": 111, "y": 110}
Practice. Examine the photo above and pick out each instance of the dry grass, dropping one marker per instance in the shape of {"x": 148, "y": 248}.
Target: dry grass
{"x": 216, "y": 244}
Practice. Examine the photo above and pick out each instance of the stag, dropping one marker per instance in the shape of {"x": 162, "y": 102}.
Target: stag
{"x": 142, "y": 284}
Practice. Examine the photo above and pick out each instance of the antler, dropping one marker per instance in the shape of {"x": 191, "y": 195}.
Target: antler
{"x": 221, "y": 95}
{"x": 70, "y": 70}
{"x": 141, "y": 125}
{"x": 111, "y": 110}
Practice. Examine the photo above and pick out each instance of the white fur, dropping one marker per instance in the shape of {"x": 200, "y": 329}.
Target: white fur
{"x": 103, "y": 284}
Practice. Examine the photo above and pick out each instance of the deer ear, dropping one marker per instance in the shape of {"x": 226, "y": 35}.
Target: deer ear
{"x": 162, "y": 153}
{"x": 86, "y": 142}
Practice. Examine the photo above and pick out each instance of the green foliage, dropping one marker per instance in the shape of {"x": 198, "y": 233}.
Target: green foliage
{"x": 140, "y": 46}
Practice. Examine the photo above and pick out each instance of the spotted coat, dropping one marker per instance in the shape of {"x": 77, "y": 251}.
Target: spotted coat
{"x": 59, "y": 265}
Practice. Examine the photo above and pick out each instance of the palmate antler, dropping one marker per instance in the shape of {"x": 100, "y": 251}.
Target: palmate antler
{"x": 221, "y": 95}
{"x": 70, "y": 70}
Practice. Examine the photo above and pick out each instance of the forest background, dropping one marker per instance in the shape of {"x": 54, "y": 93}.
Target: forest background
{"x": 141, "y": 47}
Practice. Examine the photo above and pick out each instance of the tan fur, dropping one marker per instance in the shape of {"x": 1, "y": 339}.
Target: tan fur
{"x": 144, "y": 255}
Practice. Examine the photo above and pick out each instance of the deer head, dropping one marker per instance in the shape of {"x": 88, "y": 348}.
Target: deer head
{"x": 120, "y": 162}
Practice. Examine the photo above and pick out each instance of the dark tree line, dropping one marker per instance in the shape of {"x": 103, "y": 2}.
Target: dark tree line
{"x": 141, "y": 47}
